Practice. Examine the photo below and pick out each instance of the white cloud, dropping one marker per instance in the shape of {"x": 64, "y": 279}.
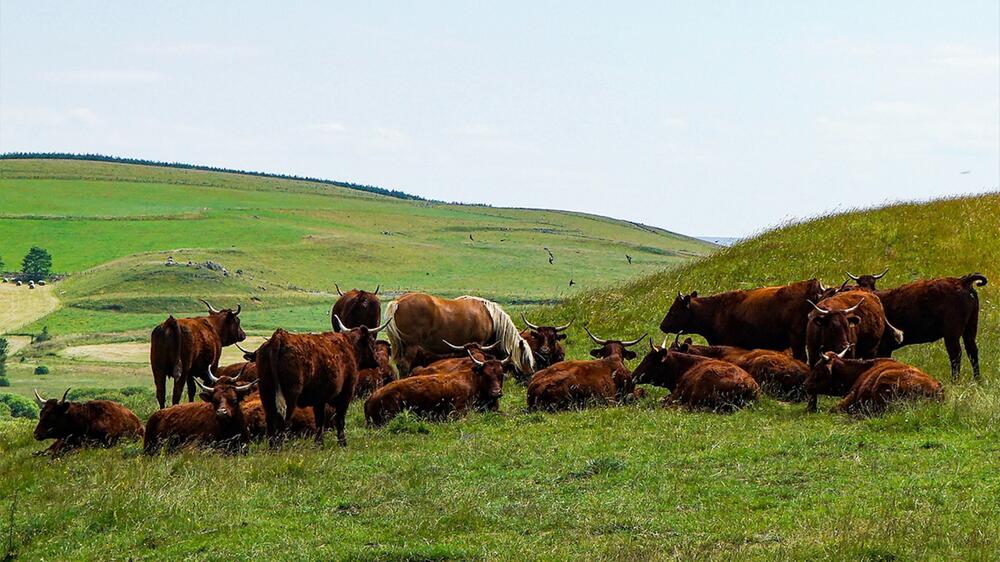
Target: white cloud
{"x": 103, "y": 76}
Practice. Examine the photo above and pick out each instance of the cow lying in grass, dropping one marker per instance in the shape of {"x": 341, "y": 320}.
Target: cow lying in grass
{"x": 777, "y": 373}
{"x": 440, "y": 395}
{"x": 372, "y": 379}
{"x": 575, "y": 384}
{"x": 77, "y": 424}
{"x": 696, "y": 382}
{"x": 868, "y": 385}
{"x": 217, "y": 421}
{"x": 459, "y": 359}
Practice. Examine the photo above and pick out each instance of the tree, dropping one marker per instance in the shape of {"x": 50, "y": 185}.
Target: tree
{"x": 3, "y": 357}
{"x": 1, "y": 263}
{"x": 37, "y": 263}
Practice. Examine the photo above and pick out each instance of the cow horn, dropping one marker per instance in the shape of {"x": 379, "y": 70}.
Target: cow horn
{"x": 881, "y": 275}
{"x": 245, "y": 387}
{"x": 822, "y": 287}
{"x": 243, "y": 370}
{"x": 677, "y": 339}
{"x": 239, "y": 347}
{"x": 211, "y": 377}
{"x": 239, "y": 309}
{"x": 507, "y": 360}
{"x": 38, "y": 398}
{"x": 490, "y": 347}
{"x": 530, "y": 325}
{"x": 846, "y": 349}
{"x": 851, "y": 275}
{"x": 652, "y": 346}
{"x": 453, "y": 346}
{"x": 633, "y": 342}
{"x": 201, "y": 385}
{"x": 65, "y": 394}
{"x": 855, "y": 307}
{"x": 382, "y": 327}
{"x": 474, "y": 360}
{"x": 377, "y": 287}
{"x": 211, "y": 309}
{"x": 664, "y": 344}
{"x": 340, "y": 324}
{"x": 818, "y": 309}
{"x": 596, "y": 339}
{"x": 338, "y": 289}
{"x": 564, "y": 326}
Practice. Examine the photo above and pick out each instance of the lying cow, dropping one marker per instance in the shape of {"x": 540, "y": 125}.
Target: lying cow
{"x": 868, "y": 385}
{"x": 217, "y": 421}
{"x": 545, "y": 342}
{"x": 460, "y": 360}
{"x": 613, "y": 347}
{"x": 850, "y": 318}
{"x": 77, "y": 424}
{"x": 239, "y": 372}
{"x": 576, "y": 384}
{"x": 372, "y": 379}
{"x": 777, "y": 373}
{"x": 440, "y": 395}
{"x": 696, "y": 382}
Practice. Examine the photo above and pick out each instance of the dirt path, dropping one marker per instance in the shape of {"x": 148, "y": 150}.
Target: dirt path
{"x": 138, "y": 352}
{"x": 20, "y": 306}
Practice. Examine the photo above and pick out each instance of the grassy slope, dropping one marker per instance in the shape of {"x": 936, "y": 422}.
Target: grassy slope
{"x": 638, "y": 482}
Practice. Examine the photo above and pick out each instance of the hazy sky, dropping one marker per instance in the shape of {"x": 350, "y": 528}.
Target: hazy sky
{"x": 705, "y": 118}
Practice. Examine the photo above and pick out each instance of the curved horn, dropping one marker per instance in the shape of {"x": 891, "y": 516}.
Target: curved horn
{"x": 201, "y": 385}
{"x": 382, "y": 327}
{"x": 596, "y": 339}
{"x": 855, "y": 307}
{"x": 881, "y": 275}
{"x": 340, "y": 324}
{"x": 507, "y": 360}
{"x": 851, "y": 275}
{"x": 453, "y": 346}
{"x": 245, "y": 387}
{"x": 818, "y": 309}
{"x": 664, "y": 344}
{"x": 211, "y": 377}
{"x": 490, "y": 347}
{"x": 239, "y": 309}
{"x": 377, "y": 287}
{"x": 474, "y": 360}
{"x": 38, "y": 398}
{"x": 652, "y": 346}
{"x": 243, "y": 370}
{"x": 211, "y": 309}
{"x": 846, "y": 349}
{"x": 677, "y": 339}
{"x": 822, "y": 287}
{"x": 63, "y": 399}
{"x": 338, "y": 289}
{"x": 633, "y": 342}
{"x": 563, "y": 327}
{"x": 239, "y": 347}
{"x": 530, "y": 325}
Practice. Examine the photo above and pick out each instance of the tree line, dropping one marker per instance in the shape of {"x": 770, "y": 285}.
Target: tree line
{"x": 36, "y": 265}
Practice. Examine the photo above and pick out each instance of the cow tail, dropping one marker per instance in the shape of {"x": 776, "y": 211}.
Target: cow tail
{"x": 178, "y": 368}
{"x": 977, "y": 279}
{"x": 392, "y": 332}
{"x": 274, "y": 360}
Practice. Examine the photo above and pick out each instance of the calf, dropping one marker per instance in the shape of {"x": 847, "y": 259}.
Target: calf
{"x": 370, "y": 380}
{"x": 544, "y": 342}
{"x": 217, "y": 421}
{"x": 440, "y": 395}
{"x": 854, "y": 318}
{"x": 77, "y": 424}
{"x": 697, "y": 382}
{"x": 575, "y": 384}
{"x": 868, "y": 385}
{"x": 777, "y": 373}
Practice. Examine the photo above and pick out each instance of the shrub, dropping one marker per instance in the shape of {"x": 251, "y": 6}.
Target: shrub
{"x": 20, "y": 407}
{"x": 4, "y": 381}
{"x": 4, "y": 411}
{"x": 41, "y": 370}
{"x": 43, "y": 336}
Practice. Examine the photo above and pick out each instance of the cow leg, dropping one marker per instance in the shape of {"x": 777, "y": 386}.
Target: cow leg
{"x": 954, "y": 355}
{"x": 319, "y": 415}
{"x": 971, "y": 348}
{"x": 178, "y": 389}
{"x": 798, "y": 345}
{"x": 161, "y": 390}
{"x": 191, "y": 388}
{"x": 340, "y": 414}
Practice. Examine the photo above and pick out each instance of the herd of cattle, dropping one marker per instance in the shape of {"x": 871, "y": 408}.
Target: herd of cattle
{"x": 794, "y": 342}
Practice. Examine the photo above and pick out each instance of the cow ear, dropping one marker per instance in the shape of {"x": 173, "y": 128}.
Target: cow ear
{"x": 630, "y": 354}
{"x": 694, "y": 294}
{"x": 206, "y": 396}
{"x": 561, "y": 336}
{"x": 853, "y": 320}
{"x": 595, "y": 352}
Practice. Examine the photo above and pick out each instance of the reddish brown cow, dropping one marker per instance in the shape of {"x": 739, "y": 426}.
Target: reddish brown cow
{"x": 240, "y": 372}
{"x": 868, "y": 385}
{"x": 313, "y": 370}
{"x": 440, "y": 395}
{"x": 356, "y": 308}
{"x": 854, "y": 318}
{"x": 931, "y": 309}
{"x": 575, "y": 384}
{"x": 613, "y": 347}
{"x": 76, "y": 424}
{"x": 182, "y": 348}
{"x": 370, "y": 380}
{"x": 544, "y": 342}
{"x": 767, "y": 318}
{"x": 697, "y": 382}
{"x": 423, "y": 359}
{"x": 217, "y": 421}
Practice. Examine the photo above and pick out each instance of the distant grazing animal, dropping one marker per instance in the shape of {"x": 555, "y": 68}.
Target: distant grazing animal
{"x": 183, "y": 348}
{"x": 460, "y": 359}
{"x": 854, "y": 318}
{"x": 544, "y": 342}
{"x": 313, "y": 370}
{"x": 216, "y": 422}
{"x": 767, "y": 318}
{"x": 931, "y": 309}
{"x": 868, "y": 385}
{"x": 357, "y": 308}
{"x": 78, "y": 424}
{"x": 777, "y": 373}
{"x": 613, "y": 347}
{"x": 575, "y": 384}
{"x": 370, "y": 380}
{"x": 696, "y": 382}
{"x": 425, "y": 321}
{"x": 440, "y": 395}
{"x": 17, "y": 283}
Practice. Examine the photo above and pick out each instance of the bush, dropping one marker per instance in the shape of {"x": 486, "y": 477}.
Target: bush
{"x": 41, "y": 370}
{"x": 43, "y": 336}
{"x": 4, "y": 411}
{"x": 4, "y": 381}
{"x": 4, "y": 347}
{"x": 20, "y": 407}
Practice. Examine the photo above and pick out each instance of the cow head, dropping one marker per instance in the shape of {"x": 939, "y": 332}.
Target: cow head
{"x": 383, "y": 351}
{"x": 364, "y": 340}
{"x": 681, "y": 346}
{"x": 489, "y": 377}
{"x": 225, "y": 396}
{"x": 544, "y": 342}
{"x": 54, "y": 421}
{"x": 613, "y": 347}
{"x": 820, "y": 377}
{"x": 867, "y": 281}
{"x": 357, "y": 303}
{"x": 227, "y": 323}
{"x": 831, "y": 329}
{"x": 653, "y": 368}
{"x": 680, "y": 317}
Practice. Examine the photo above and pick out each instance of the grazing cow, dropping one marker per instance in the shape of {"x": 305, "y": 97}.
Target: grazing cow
{"x": 370, "y": 380}
{"x": 422, "y": 320}
{"x": 356, "y": 308}
{"x": 613, "y": 347}
{"x": 854, "y": 318}
{"x": 766, "y": 318}
{"x": 313, "y": 370}
{"x": 181, "y": 347}
{"x": 440, "y": 395}
{"x": 777, "y": 373}
{"x": 931, "y": 309}
{"x": 696, "y": 382}
{"x": 575, "y": 384}
{"x": 77, "y": 424}
{"x": 458, "y": 357}
{"x": 868, "y": 385}
{"x": 217, "y": 421}
{"x": 544, "y": 342}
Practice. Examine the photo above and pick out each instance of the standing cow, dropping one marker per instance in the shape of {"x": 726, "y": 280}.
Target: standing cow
{"x": 76, "y": 424}
{"x": 182, "y": 348}
{"x": 766, "y": 318}
{"x": 356, "y": 308}
{"x": 850, "y": 318}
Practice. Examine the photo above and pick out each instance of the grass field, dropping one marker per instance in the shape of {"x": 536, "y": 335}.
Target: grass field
{"x": 636, "y": 482}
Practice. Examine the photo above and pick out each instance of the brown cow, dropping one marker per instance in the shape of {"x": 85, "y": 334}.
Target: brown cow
{"x": 696, "y": 382}
{"x": 854, "y": 318}
{"x": 240, "y": 372}
{"x": 217, "y": 421}
{"x": 777, "y": 373}
{"x": 544, "y": 342}
{"x": 868, "y": 385}
{"x": 313, "y": 370}
{"x": 77, "y": 424}
{"x": 766, "y": 318}
{"x": 439, "y": 395}
{"x": 181, "y": 347}
{"x": 356, "y": 308}
{"x": 575, "y": 384}
{"x": 931, "y": 309}
{"x": 613, "y": 347}
{"x": 458, "y": 357}
{"x": 303, "y": 423}
{"x": 370, "y": 380}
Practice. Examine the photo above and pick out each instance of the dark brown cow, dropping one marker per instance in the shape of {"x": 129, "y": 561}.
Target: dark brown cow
{"x": 313, "y": 370}
{"x": 544, "y": 342}
{"x": 440, "y": 395}
{"x": 866, "y": 281}
{"x": 182, "y": 348}
{"x": 777, "y": 373}
{"x": 357, "y": 308}
{"x": 767, "y": 318}
{"x": 370, "y": 380}
{"x": 931, "y": 309}
{"x": 697, "y": 382}
{"x": 576, "y": 384}
{"x": 854, "y": 318}
{"x": 613, "y": 347}
{"x": 868, "y": 385}
{"x": 422, "y": 359}
{"x": 77, "y": 424}
{"x": 217, "y": 421}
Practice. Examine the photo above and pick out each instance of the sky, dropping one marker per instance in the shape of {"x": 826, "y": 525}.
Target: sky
{"x": 706, "y": 118}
